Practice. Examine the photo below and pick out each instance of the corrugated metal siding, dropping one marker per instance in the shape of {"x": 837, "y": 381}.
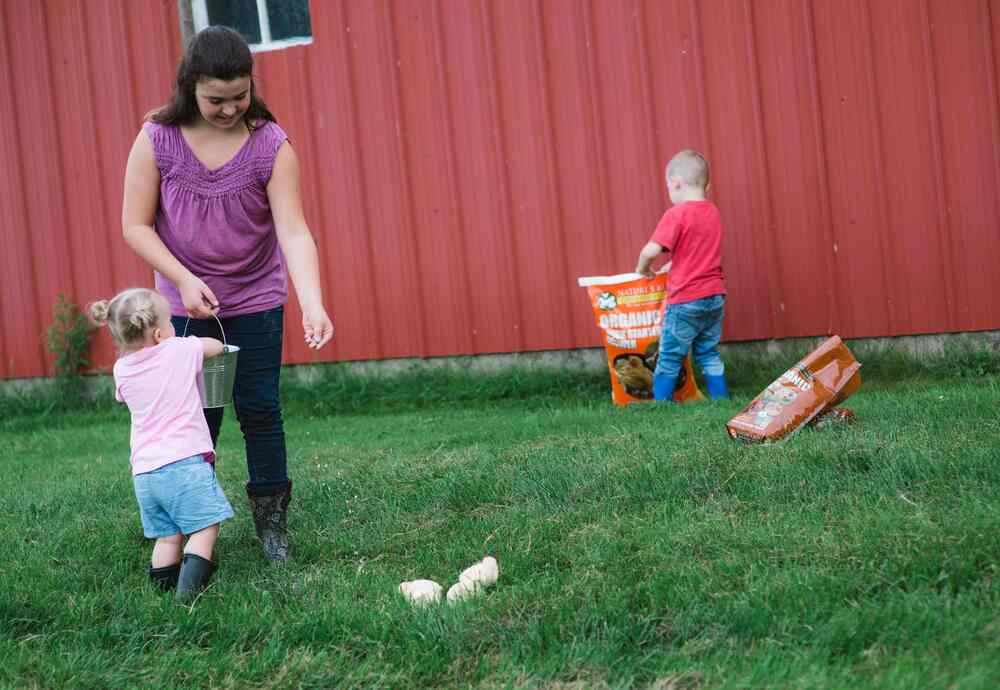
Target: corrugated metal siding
{"x": 75, "y": 78}
{"x": 464, "y": 161}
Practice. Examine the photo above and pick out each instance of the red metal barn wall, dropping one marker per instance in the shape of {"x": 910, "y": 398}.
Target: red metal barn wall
{"x": 465, "y": 160}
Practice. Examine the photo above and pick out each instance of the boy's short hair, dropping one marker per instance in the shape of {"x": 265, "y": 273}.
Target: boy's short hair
{"x": 691, "y": 167}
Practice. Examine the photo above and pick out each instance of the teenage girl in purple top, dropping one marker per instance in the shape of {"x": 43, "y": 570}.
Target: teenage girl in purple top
{"x": 212, "y": 204}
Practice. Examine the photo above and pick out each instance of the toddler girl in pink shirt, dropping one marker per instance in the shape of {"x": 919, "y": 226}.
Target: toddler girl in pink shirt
{"x": 175, "y": 486}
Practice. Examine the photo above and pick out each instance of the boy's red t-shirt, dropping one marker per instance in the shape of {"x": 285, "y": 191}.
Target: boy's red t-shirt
{"x": 692, "y": 233}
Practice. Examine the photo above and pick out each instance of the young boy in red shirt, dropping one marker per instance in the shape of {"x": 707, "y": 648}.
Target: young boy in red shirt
{"x": 690, "y": 232}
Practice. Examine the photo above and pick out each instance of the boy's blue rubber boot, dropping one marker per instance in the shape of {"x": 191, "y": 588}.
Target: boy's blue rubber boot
{"x": 717, "y": 387}
{"x": 663, "y": 387}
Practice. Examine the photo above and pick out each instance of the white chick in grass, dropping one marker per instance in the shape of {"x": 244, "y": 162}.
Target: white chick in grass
{"x": 474, "y": 579}
{"x": 421, "y": 591}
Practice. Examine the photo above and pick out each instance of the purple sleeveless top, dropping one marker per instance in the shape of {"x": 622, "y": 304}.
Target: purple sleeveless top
{"x": 218, "y": 222}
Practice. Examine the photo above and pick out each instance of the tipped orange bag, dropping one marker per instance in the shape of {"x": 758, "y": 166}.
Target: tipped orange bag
{"x": 824, "y": 378}
{"x": 629, "y": 311}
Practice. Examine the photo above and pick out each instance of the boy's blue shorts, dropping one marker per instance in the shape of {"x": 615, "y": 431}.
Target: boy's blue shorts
{"x": 183, "y": 496}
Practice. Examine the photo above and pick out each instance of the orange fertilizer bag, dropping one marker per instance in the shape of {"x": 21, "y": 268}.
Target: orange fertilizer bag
{"x": 804, "y": 393}
{"x": 628, "y": 309}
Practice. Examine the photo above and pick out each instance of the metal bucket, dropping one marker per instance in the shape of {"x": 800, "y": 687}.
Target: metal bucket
{"x": 215, "y": 383}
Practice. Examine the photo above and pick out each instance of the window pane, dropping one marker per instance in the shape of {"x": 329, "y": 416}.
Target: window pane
{"x": 236, "y": 14}
{"x": 288, "y": 18}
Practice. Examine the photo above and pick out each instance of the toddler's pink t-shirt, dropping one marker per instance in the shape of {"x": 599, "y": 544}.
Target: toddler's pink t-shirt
{"x": 160, "y": 386}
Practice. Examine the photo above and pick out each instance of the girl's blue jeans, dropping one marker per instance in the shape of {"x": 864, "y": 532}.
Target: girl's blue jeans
{"x": 255, "y": 391}
{"x": 694, "y": 326}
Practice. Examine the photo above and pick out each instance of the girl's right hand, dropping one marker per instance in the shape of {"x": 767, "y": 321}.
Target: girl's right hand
{"x": 198, "y": 298}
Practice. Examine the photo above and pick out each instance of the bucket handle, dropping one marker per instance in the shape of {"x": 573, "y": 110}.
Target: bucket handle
{"x": 225, "y": 345}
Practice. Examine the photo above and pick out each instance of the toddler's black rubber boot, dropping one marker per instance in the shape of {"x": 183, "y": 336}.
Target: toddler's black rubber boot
{"x": 195, "y": 574}
{"x": 166, "y": 577}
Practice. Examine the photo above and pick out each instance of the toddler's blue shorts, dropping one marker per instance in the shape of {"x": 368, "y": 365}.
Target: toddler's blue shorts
{"x": 183, "y": 496}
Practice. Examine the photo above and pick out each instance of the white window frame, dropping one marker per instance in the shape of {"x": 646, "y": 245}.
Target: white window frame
{"x": 199, "y": 12}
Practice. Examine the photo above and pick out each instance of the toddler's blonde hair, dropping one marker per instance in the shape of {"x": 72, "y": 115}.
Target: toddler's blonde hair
{"x": 127, "y": 315}
{"x": 691, "y": 167}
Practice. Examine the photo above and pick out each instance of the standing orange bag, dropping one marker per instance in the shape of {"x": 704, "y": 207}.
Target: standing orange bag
{"x": 628, "y": 309}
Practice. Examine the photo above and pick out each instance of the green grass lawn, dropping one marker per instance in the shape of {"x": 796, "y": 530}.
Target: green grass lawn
{"x": 638, "y": 547}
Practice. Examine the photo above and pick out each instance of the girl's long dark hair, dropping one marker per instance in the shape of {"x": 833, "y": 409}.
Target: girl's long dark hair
{"x": 217, "y": 52}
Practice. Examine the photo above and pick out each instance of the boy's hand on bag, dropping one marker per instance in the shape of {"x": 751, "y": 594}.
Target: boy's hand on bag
{"x": 317, "y": 326}
{"x": 665, "y": 268}
{"x": 647, "y": 257}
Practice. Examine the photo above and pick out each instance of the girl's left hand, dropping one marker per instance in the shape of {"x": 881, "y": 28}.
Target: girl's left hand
{"x": 317, "y": 327}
